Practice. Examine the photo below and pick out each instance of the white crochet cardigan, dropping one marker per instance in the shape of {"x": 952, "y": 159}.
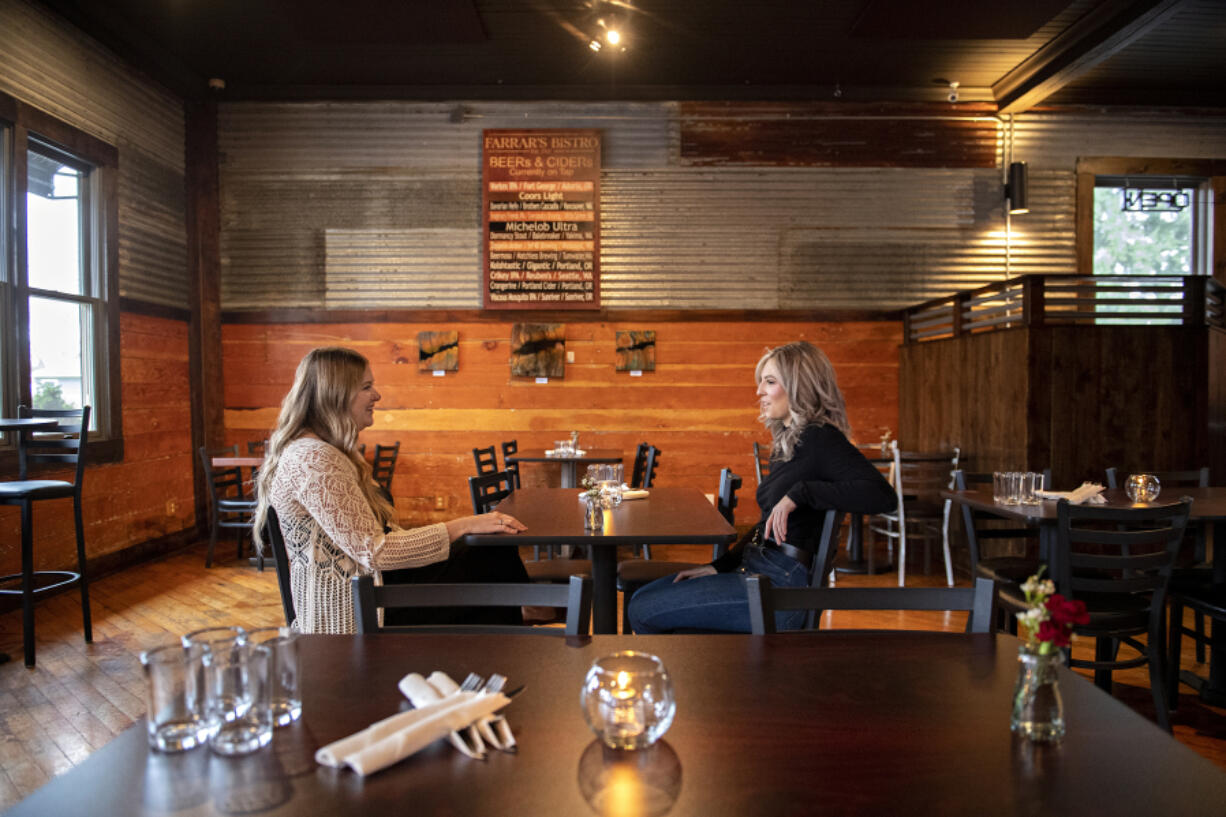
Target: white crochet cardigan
{"x": 331, "y": 535}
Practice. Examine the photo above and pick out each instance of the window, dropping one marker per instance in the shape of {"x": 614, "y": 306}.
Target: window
{"x": 58, "y": 296}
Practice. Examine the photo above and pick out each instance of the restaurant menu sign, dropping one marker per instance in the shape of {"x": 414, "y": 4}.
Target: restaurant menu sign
{"x": 541, "y": 197}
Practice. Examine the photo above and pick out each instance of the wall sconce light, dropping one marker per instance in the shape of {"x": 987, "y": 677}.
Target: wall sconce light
{"x": 1017, "y": 191}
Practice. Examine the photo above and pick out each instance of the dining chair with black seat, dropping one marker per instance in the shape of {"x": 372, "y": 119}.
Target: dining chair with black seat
{"x": 1009, "y": 571}
{"x": 383, "y": 468}
{"x": 65, "y": 445}
{"x": 1204, "y": 601}
{"x": 575, "y": 595}
{"x": 765, "y": 601}
{"x": 509, "y": 449}
{"x": 761, "y": 461}
{"x": 486, "y": 460}
{"x": 1192, "y": 576}
{"x": 634, "y": 573}
{"x": 486, "y": 491}
{"x": 231, "y": 505}
{"x": 280, "y": 558}
{"x": 918, "y": 478}
{"x": 1118, "y": 562}
{"x": 643, "y": 475}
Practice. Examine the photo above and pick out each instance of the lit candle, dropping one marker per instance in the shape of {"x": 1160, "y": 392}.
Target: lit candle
{"x": 628, "y": 718}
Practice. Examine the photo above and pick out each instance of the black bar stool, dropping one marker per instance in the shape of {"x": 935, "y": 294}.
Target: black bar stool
{"x": 68, "y": 449}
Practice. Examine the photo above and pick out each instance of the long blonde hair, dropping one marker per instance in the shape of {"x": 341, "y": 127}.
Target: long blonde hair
{"x": 325, "y": 384}
{"x": 808, "y": 379}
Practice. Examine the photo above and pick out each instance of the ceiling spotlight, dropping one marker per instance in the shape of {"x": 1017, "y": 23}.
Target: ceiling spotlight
{"x": 953, "y": 90}
{"x": 594, "y": 44}
{"x": 613, "y": 36}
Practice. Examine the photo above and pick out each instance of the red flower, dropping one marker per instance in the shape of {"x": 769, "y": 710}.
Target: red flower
{"x": 1055, "y": 633}
{"x": 1067, "y": 613}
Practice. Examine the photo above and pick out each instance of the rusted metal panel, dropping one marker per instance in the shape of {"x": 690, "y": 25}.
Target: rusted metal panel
{"x": 834, "y": 135}
{"x": 54, "y": 68}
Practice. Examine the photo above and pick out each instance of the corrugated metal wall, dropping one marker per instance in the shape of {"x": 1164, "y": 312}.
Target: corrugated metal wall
{"x": 378, "y": 205}
{"x": 56, "y": 69}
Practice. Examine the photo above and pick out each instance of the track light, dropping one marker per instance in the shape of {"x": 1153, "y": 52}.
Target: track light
{"x": 1017, "y": 189}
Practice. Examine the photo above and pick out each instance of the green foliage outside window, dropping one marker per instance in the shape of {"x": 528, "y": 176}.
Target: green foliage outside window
{"x": 51, "y": 396}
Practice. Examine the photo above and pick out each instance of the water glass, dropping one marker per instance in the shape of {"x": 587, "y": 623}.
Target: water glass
{"x": 563, "y": 448}
{"x": 247, "y": 666}
{"x": 175, "y": 703}
{"x": 628, "y": 700}
{"x": 1000, "y": 489}
{"x": 284, "y": 693}
{"x": 220, "y": 674}
{"x": 1031, "y": 482}
{"x": 1142, "y": 488}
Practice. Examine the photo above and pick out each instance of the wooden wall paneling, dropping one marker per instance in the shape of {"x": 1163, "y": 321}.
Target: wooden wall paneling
{"x": 699, "y": 405}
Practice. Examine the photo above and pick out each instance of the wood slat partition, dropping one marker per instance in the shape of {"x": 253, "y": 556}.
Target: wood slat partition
{"x": 698, "y": 406}
{"x": 1072, "y": 394}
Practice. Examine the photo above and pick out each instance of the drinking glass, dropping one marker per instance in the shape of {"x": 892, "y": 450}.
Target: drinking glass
{"x": 628, "y": 700}
{"x": 1013, "y": 487}
{"x": 175, "y": 702}
{"x": 247, "y": 666}
{"x": 1142, "y": 488}
{"x": 284, "y": 694}
{"x": 1031, "y": 482}
{"x": 220, "y": 676}
{"x": 1000, "y": 489}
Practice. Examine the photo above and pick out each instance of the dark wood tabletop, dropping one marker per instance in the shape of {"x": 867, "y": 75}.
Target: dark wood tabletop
{"x": 839, "y": 722}
{"x": 1207, "y": 503}
{"x": 589, "y": 455}
{"x": 554, "y": 516}
{"x": 252, "y": 461}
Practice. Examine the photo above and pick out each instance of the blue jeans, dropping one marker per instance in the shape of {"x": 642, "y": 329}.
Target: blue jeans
{"x": 717, "y": 602}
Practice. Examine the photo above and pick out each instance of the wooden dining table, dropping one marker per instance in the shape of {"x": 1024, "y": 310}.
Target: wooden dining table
{"x": 836, "y": 722}
{"x": 570, "y": 463}
{"x": 1208, "y": 505}
{"x": 554, "y": 516}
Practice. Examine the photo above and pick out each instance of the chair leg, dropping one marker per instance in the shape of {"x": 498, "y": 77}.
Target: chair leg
{"x": 86, "y": 623}
{"x": 1103, "y": 651}
{"x": 949, "y": 565}
{"x": 27, "y": 580}
{"x": 902, "y": 555}
{"x": 626, "y": 628}
{"x": 1199, "y": 621}
{"x": 646, "y": 551}
{"x": 1156, "y": 674}
{"x": 1173, "y": 645}
{"x": 208, "y": 559}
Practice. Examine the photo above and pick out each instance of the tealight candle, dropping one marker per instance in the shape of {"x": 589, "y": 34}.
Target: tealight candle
{"x": 627, "y": 699}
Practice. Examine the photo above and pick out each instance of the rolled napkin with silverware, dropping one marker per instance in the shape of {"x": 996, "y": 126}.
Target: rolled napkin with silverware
{"x": 1088, "y": 493}
{"x": 422, "y": 692}
{"x": 494, "y": 730}
{"x": 393, "y": 739}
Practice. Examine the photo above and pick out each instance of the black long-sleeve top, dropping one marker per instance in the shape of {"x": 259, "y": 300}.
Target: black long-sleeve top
{"x": 826, "y": 471}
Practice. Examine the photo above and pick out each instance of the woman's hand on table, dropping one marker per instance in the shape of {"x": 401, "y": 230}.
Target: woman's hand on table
{"x": 694, "y": 573}
{"x": 492, "y": 522}
{"x": 777, "y": 523}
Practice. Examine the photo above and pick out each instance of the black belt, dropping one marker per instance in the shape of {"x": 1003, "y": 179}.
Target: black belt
{"x": 791, "y": 551}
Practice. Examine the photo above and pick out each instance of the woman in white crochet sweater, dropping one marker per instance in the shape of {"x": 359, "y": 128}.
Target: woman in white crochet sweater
{"x": 335, "y": 522}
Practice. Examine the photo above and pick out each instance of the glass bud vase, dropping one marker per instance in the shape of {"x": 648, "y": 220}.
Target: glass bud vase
{"x": 593, "y": 514}
{"x": 1038, "y": 710}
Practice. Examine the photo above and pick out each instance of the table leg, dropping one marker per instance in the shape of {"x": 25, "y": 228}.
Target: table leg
{"x": 604, "y": 590}
{"x": 568, "y": 474}
{"x": 855, "y": 562}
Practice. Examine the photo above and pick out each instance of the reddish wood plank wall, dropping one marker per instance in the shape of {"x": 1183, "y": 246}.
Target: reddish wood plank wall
{"x": 698, "y": 407}
{"x": 149, "y": 493}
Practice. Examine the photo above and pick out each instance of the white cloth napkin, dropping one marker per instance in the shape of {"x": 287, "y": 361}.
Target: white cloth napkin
{"x": 422, "y": 693}
{"x": 393, "y": 739}
{"x": 1087, "y": 493}
{"x": 493, "y": 730}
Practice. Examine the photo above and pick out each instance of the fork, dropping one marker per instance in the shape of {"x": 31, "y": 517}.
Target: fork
{"x": 503, "y": 740}
{"x": 473, "y": 683}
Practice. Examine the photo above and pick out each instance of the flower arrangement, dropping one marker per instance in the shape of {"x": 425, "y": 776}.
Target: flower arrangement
{"x": 591, "y": 491}
{"x": 1049, "y": 621}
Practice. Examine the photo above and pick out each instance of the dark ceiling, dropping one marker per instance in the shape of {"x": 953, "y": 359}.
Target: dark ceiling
{"x": 1016, "y": 53}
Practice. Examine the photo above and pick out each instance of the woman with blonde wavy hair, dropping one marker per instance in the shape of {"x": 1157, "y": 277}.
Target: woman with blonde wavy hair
{"x": 335, "y": 521}
{"x": 814, "y": 468}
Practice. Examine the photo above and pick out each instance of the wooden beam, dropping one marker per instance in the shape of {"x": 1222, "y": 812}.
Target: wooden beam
{"x": 1089, "y": 41}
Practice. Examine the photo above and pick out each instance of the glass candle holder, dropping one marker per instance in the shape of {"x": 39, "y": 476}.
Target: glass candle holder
{"x": 627, "y": 699}
{"x": 1142, "y": 488}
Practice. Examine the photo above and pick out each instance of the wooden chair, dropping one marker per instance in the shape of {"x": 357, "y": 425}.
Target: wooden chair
{"x": 1118, "y": 561}
{"x": 383, "y": 468}
{"x": 918, "y": 478}
{"x": 66, "y": 446}
{"x": 509, "y": 448}
{"x": 634, "y": 573}
{"x": 280, "y": 558}
{"x": 486, "y": 460}
{"x": 575, "y": 596}
{"x": 231, "y": 506}
{"x": 765, "y": 601}
{"x": 1009, "y": 572}
{"x": 761, "y": 461}
{"x": 486, "y": 491}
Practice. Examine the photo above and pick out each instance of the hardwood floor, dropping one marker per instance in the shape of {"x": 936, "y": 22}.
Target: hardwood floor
{"x": 81, "y": 695}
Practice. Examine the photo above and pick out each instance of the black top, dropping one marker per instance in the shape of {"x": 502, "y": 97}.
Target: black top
{"x": 826, "y": 471}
